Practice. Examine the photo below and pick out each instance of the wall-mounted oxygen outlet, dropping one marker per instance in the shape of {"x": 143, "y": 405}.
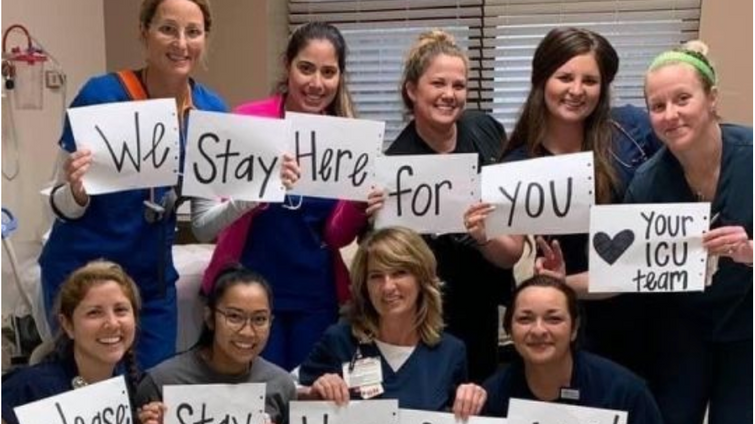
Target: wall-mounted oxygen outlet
{"x": 54, "y": 79}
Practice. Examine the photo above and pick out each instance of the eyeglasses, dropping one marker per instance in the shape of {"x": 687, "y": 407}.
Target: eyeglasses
{"x": 173, "y": 32}
{"x": 236, "y": 320}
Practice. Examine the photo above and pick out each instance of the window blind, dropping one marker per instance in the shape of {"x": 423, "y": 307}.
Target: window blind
{"x": 500, "y": 37}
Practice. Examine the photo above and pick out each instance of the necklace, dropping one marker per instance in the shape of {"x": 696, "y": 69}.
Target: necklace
{"x": 78, "y": 382}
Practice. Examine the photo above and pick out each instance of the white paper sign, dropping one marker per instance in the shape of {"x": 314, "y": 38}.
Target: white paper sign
{"x": 533, "y": 412}
{"x": 648, "y": 248}
{"x": 134, "y": 144}
{"x": 427, "y": 193}
{"x": 235, "y": 156}
{"x": 414, "y": 416}
{"x": 383, "y": 411}
{"x": 106, "y": 401}
{"x": 336, "y": 155}
{"x": 217, "y": 403}
{"x": 550, "y": 195}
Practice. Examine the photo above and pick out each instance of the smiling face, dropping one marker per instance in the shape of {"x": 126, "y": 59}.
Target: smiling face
{"x": 102, "y": 326}
{"x": 393, "y": 292}
{"x": 681, "y": 112}
{"x": 313, "y": 78}
{"x": 541, "y": 327}
{"x": 439, "y": 95}
{"x": 241, "y": 323}
{"x": 175, "y": 39}
{"x": 573, "y": 90}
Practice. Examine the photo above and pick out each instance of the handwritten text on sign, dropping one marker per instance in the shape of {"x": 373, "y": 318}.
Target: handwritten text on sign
{"x": 533, "y": 412}
{"x": 648, "y": 248}
{"x": 414, "y": 416}
{"x": 335, "y": 155}
{"x": 103, "y": 402}
{"x": 384, "y": 411}
{"x": 234, "y": 156}
{"x": 550, "y": 195}
{"x": 134, "y": 144}
{"x": 428, "y": 193}
{"x": 215, "y": 403}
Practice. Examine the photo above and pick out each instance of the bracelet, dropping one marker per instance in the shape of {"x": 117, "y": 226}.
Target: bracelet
{"x": 485, "y": 243}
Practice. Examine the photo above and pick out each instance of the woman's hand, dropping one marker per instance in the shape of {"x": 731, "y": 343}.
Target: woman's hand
{"x": 731, "y": 241}
{"x": 290, "y": 171}
{"x": 152, "y": 413}
{"x": 551, "y": 263}
{"x": 375, "y": 202}
{"x": 332, "y": 387}
{"x": 76, "y": 166}
{"x": 469, "y": 400}
{"x": 474, "y": 221}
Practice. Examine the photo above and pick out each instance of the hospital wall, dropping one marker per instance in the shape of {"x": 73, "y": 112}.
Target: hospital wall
{"x": 74, "y": 32}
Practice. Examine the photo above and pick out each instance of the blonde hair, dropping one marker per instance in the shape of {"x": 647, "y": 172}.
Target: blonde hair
{"x": 396, "y": 248}
{"x": 429, "y": 45}
{"x": 694, "y": 53}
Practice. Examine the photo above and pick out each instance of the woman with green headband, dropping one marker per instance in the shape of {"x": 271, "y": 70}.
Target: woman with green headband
{"x": 702, "y": 343}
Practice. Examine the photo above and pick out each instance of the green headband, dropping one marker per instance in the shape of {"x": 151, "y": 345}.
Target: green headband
{"x": 681, "y": 56}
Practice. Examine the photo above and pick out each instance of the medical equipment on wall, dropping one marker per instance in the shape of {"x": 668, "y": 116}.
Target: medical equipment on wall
{"x": 22, "y": 69}
{"x": 27, "y": 68}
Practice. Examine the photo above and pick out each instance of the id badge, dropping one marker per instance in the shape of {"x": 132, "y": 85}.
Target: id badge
{"x": 365, "y": 372}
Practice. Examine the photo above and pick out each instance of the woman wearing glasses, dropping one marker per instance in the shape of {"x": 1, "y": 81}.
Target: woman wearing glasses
{"x": 237, "y": 322}
{"x": 293, "y": 244}
{"x": 395, "y": 329}
{"x": 118, "y": 226}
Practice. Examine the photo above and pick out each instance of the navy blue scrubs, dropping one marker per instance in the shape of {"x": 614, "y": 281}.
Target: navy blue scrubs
{"x": 703, "y": 341}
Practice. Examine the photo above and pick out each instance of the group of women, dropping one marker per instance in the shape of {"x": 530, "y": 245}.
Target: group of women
{"x": 423, "y": 309}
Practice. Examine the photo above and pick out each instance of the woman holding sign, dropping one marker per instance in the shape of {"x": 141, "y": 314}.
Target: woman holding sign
{"x": 98, "y": 306}
{"x": 543, "y": 321}
{"x": 134, "y": 228}
{"x": 568, "y": 111}
{"x": 293, "y": 244}
{"x": 394, "y": 346}
{"x": 227, "y": 351}
{"x": 703, "y": 340}
{"x": 434, "y": 91}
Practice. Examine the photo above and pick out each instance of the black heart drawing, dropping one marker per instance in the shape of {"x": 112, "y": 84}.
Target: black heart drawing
{"x": 611, "y": 250}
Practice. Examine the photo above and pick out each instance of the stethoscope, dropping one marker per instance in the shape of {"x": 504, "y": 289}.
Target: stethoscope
{"x": 635, "y": 162}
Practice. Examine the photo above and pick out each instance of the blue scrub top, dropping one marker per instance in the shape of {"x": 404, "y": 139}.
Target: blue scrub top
{"x": 723, "y": 312}
{"x": 599, "y": 382}
{"x": 114, "y": 226}
{"x": 427, "y": 380}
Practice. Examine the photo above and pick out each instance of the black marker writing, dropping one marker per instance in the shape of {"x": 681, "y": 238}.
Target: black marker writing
{"x": 423, "y": 197}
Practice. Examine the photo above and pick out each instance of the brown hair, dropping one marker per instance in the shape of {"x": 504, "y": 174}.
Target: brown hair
{"x": 75, "y": 289}
{"x": 558, "y": 47}
{"x": 149, "y": 8}
{"x": 342, "y": 104}
{"x": 429, "y": 45}
{"x": 572, "y": 304}
{"x": 395, "y": 248}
